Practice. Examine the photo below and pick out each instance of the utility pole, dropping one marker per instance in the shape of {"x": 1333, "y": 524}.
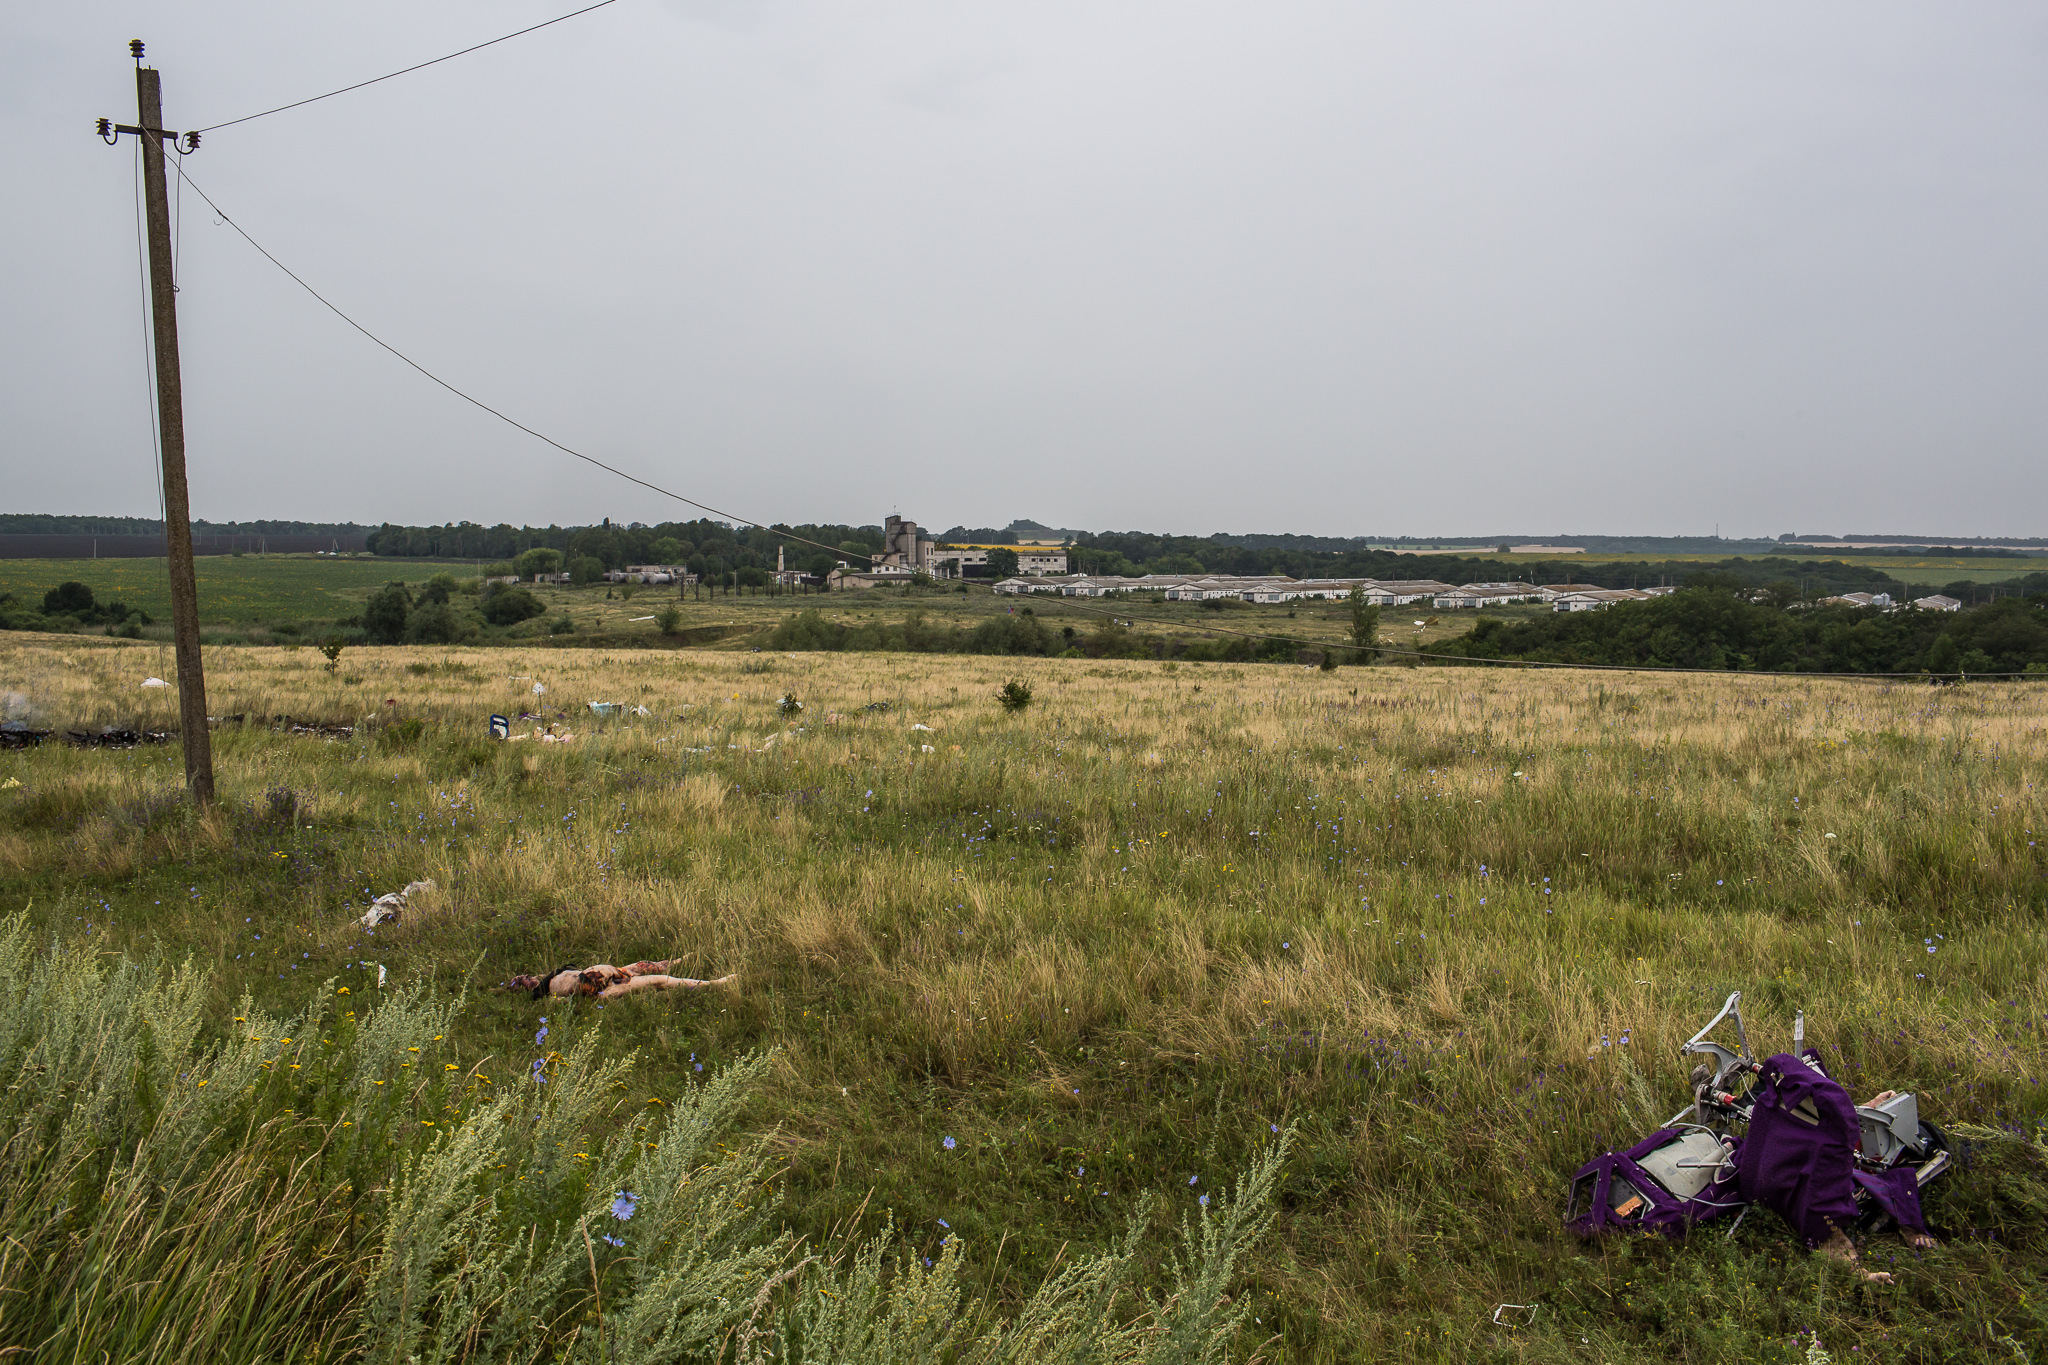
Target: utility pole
{"x": 149, "y": 108}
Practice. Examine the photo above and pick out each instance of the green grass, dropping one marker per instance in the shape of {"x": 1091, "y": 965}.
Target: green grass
{"x": 1932, "y": 569}
{"x": 233, "y": 589}
{"x": 1108, "y": 944}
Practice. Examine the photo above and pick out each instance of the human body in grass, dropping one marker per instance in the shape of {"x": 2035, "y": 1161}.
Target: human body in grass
{"x": 607, "y": 982}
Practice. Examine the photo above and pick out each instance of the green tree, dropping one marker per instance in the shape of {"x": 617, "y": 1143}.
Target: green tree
{"x": 1943, "y": 654}
{"x": 666, "y": 550}
{"x": 384, "y": 617}
{"x": 538, "y": 560}
{"x": 588, "y": 569}
{"x": 433, "y": 624}
{"x": 1365, "y": 625}
{"x": 1002, "y": 563}
{"x": 438, "y": 590}
{"x": 510, "y": 606}
{"x": 68, "y": 599}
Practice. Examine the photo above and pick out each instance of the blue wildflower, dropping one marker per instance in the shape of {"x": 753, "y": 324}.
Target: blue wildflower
{"x": 948, "y": 1144}
{"x": 624, "y": 1204}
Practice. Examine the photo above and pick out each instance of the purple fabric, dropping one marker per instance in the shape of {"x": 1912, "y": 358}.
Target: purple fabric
{"x": 1663, "y": 1210}
{"x": 1897, "y": 1192}
{"x": 1799, "y": 1155}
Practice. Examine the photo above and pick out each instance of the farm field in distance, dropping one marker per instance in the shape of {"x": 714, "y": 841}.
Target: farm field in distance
{"x": 1018, "y": 972}
{"x": 1911, "y": 568}
{"x": 243, "y": 600}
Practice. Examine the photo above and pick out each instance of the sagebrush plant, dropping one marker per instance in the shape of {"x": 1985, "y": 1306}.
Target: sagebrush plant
{"x": 1107, "y": 942}
{"x": 165, "y": 1197}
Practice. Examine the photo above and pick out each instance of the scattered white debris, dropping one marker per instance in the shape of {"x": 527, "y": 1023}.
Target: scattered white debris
{"x": 154, "y": 682}
{"x": 927, "y": 748}
{"x": 539, "y": 688}
{"x": 920, "y": 726}
{"x": 387, "y": 908}
{"x": 639, "y": 618}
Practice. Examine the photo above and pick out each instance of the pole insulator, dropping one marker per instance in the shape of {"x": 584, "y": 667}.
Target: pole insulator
{"x": 135, "y": 48}
{"x": 192, "y": 142}
{"x": 105, "y": 129}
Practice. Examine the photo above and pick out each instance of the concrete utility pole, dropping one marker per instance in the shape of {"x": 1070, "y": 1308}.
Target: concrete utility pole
{"x": 171, "y": 422}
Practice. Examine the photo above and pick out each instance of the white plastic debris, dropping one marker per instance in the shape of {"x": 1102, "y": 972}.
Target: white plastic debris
{"x": 154, "y": 682}
{"x": 539, "y": 688}
{"x": 639, "y": 618}
{"x": 920, "y": 726}
{"x": 387, "y": 908}
{"x": 928, "y": 748}
{"x": 642, "y": 711}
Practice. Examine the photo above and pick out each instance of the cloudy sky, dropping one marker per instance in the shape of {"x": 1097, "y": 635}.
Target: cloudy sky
{"x": 1343, "y": 268}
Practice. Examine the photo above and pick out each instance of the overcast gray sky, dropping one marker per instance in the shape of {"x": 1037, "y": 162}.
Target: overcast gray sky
{"x": 1342, "y": 268}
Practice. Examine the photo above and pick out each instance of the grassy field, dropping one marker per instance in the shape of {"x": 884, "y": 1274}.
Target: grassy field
{"x": 1930, "y": 569}
{"x": 1021, "y": 972}
{"x": 241, "y": 600}
{"x": 234, "y": 590}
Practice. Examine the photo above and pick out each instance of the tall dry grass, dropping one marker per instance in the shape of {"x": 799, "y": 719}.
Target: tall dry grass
{"x": 1453, "y": 922}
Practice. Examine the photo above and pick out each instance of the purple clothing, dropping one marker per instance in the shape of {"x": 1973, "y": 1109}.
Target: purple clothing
{"x": 1597, "y": 1199}
{"x": 1799, "y": 1155}
{"x": 1897, "y": 1192}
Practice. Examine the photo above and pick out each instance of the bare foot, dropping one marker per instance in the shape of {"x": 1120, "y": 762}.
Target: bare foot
{"x": 1919, "y": 1241}
{"x": 1838, "y": 1247}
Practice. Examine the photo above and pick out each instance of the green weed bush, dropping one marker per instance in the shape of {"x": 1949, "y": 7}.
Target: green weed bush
{"x": 328, "y": 1186}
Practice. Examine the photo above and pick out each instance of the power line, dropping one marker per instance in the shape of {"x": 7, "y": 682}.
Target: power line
{"x": 478, "y": 402}
{"x": 804, "y": 540}
{"x": 407, "y": 71}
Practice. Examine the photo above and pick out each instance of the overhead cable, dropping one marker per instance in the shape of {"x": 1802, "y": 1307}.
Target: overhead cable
{"x": 478, "y": 402}
{"x": 836, "y": 550}
{"x": 314, "y": 99}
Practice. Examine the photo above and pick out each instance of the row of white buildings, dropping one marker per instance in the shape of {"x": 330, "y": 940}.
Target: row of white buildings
{"x": 1279, "y": 588}
{"x": 1883, "y": 601}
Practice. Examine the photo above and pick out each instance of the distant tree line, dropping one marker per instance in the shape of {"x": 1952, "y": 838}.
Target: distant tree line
{"x": 1719, "y": 624}
{"x": 712, "y": 549}
{"x": 727, "y": 554}
{"x": 40, "y": 524}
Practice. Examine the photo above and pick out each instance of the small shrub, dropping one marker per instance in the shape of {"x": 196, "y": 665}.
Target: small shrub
{"x": 669, "y": 619}
{"x": 1015, "y": 695}
{"x": 789, "y": 705}
{"x": 281, "y": 806}
{"x": 510, "y": 606}
{"x": 564, "y": 624}
{"x": 385, "y": 616}
{"x": 402, "y": 734}
{"x": 331, "y": 647}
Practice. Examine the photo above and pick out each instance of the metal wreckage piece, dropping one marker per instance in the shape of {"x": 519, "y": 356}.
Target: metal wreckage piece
{"x": 1779, "y": 1132}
